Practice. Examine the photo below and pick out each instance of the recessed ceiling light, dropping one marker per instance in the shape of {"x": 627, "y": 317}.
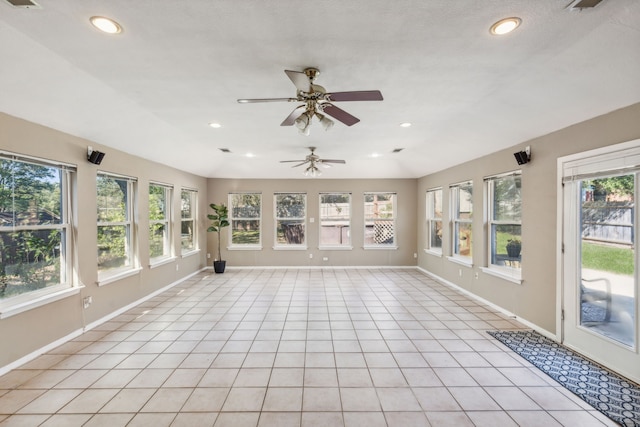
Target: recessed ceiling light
{"x": 215, "y": 125}
{"x": 250, "y": 155}
{"x": 505, "y": 26}
{"x": 405, "y": 125}
{"x": 106, "y": 25}
{"x": 374, "y": 155}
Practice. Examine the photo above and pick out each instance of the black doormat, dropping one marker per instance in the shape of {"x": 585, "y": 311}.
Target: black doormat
{"x": 609, "y": 393}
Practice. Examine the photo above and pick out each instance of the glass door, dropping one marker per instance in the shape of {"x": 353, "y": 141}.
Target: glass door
{"x": 600, "y": 280}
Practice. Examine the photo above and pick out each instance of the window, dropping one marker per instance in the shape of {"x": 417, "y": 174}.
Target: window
{"x": 335, "y": 220}
{"x": 505, "y": 207}
{"x": 245, "y": 218}
{"x": 115, "y": 220}
{"x": 35, "y": 232}
{"x": 379, "y": 220}
{"x": 188, "y": 209}
{"x": 462, "y": 215}
{"x": 290, "y": 220}
{"x": 434, "y": 220}
{"x": 160, "y": 246}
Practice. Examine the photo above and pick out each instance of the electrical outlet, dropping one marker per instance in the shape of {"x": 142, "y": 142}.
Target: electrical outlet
{"x": 86, "y": 302}
{"x": 310, "y": 256}
{"x": 325, "y": 258}
{"x": 477, "y": 275}
{"x": 177, "y": 267}
{"x": 460, "y": 272}
{"x": 208, "y": 256}
{"x": 415, "y": 255}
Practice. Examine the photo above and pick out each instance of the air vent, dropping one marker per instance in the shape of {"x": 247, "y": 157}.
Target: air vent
{"x": 584, "y": 4}
{"x": 397, "y": 150}
{"x": 25, "y": 4}
{"x": 225, "y": 150}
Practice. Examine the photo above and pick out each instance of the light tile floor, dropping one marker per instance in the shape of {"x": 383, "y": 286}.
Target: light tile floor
{"x": 293, "y": 347}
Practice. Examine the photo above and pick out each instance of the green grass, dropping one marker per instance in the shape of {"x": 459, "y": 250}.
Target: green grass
{"x": 246, "y": 237}
{"x": 607, "y": 258}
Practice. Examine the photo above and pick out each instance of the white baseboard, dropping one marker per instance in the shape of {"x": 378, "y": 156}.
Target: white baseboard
{"x": 502, "y": 310}
{"x": 75, "y": 334}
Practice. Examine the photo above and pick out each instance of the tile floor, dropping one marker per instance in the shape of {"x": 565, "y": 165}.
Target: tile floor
{"x": 288, "y": 347}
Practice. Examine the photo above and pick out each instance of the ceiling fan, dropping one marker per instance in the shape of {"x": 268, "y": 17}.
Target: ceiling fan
{"x": 314, "y": 161}
{"x": 317, "y": 102}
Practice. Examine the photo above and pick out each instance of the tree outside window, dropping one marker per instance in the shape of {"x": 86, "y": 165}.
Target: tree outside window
{"x": 335, "y": 219}
{"x": 245, "y": 218}
{"x": 434, "y": 220}
{"x": 34, "y": 225}
{"x": 290, "y": 219}
{"x": 114, "y": 217}
{"x": 462, "y": 209}
{"x": 379, "y": 220}
{"x": 159, "y": 222}
{"x": 188, "y": 208}
{"x": 505, "y": 226}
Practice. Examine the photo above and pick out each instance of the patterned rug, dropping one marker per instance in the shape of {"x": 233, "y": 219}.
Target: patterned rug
{"x": 609, "y": 393}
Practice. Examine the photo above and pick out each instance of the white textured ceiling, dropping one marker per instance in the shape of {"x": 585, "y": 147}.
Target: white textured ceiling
{"x": 178, "y": 65}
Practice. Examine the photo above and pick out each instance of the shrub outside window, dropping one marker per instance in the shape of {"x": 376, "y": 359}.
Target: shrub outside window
{"x": 462, "y": 214}
{"x": 434, "y": 220}
{"x": 290, "y": 220}
{"x": 379, "y": 220}
{"x": 188, "y": 209}
{"x": 335, "y": 220}
{"x": 160, "y": 222}
{"x": 115, "y": 220}
{"x": 245, "y": 217}
{"x": 35, "y": 231}
{"x": 505, "y": 226}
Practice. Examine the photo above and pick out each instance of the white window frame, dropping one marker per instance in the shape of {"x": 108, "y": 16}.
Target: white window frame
{"x": 322, "y": 220}
{"x": 303, "y": 219}
{"x": 511, "y": 273}
{"x": 232, "y": 218}
{"x": 394, "y": 243}
{"x": 68, "y": 283}
{"x": 457, "y": 222}
{"x": 193, "y": 219}
{"x": 431, "y": 219}
{"x": 110, "y": 275}
{"x": 167, "y": 222}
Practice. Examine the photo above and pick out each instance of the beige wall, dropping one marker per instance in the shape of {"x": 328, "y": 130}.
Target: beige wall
{"x": 405, "y": 223}
{"x": 31, "y": 330}
{"x": 535, "y": 299}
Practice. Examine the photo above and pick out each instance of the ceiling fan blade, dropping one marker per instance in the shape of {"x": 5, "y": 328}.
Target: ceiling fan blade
{"x": 340, "y": 114}
{"x": 299, "y": 79}
{"x": 299, "y": 164}
{"x": 293, "y": 161}
{"x": 360, "y": 95}
{"x": 291, "y": 118}
{"x": 254, "y": 100}
{"x": 332, "y": 161}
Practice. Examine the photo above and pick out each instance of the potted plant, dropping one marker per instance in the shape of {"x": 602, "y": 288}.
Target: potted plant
{"x": 219, "y": 220}
{"x": 514, "y": 246}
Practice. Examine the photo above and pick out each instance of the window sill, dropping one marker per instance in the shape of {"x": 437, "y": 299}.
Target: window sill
{"x": 381, "y": 247}
{"x": 162, "y": 261}
{"x": 119, "y": 276}
{"x": 245, "y": 248}
{"x": 506, "y": 275}
{"x": 434, "y": 253}
{"x": 335, "y": 248}
{"x": 290, "y": 248}
{"x": 190, "y": 253}
{"x": 467, "y": 262}
{"x": 20, "y": 307}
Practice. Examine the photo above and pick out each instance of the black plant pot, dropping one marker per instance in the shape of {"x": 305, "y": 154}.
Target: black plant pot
{"x": 218, "y": 266}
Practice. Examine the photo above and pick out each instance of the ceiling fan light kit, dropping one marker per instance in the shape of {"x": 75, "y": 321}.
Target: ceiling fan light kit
{"x": 316, "y": 101}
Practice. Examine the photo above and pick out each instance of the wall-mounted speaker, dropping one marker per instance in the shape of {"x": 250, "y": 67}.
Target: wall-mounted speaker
{"x": 95, "y": 156}
{"x": 523, "y": 157}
